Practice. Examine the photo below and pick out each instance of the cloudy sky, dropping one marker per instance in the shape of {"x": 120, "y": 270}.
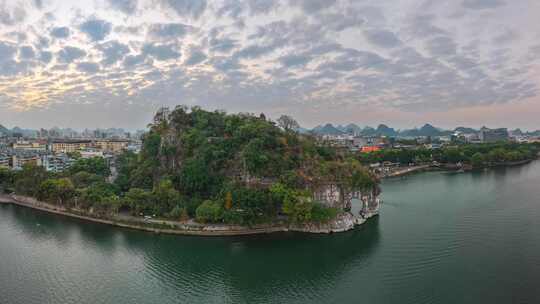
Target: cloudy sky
{"x": 110, "y": 63}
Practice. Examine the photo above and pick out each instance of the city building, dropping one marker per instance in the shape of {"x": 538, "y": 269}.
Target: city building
{"x": 91, "y": 153}
{"x": 56, "y": 163}
{"x": 5, "y": 161}
{"x": 368, "y": 149}
{"x": 19, "y": 160}
{"x": 38, "y": 146}
{"x": 134, "y": 147}
{"x": 493, "y": 135}
{"x": 112, "y": 146}
{"x": 69, "y": 146}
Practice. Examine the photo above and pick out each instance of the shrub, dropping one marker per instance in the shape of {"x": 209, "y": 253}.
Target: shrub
{"x": 209, "y": 212}
{"x": 323, "y": 214}
{"x": 233, "y": 217}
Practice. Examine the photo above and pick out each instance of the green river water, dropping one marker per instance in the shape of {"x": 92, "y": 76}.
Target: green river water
{"x": 440, "y": 238}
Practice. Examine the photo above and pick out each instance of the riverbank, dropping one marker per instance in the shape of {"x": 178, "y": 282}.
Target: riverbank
{"x": 451, "y": 168}
{"x": 344, "y": 222}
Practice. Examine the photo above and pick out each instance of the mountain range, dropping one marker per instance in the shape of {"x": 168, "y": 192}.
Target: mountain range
{"x": 384, "y": 130}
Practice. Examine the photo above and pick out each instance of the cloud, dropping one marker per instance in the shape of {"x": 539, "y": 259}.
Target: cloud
{"x": 482, "y": 4}
{"x": 382, "y": 38}
{"x": 161, "y": 51}
{"x": 168, "y": 30}
{"x": 96, "y": 29}
{"x": 262, "y": 6}
{"x": 11, "y": 15}
{"x": 422, "y": 26}
{"x": 294, "y": 60}
{"x": 26, "y": 52}
{"x": 187, "y": 8}
{"x": 195, "y": 57}
{"x": 60, "y": 32}
{"x": 113, "y": 51}
{"x": 505, "y": 36}
{"x": 45, "y": 56}
{"x": 38, "y": 4}
{"x": 19, "y": 36}
{"x": 312, "y": 6}
{"x": 225, "y": 64}
{"x": 308, "y": 56}
{"x": 69, "y": 54}
{"x": 441, "y": 46}
{"x": 8, "y": 66}
{"x": 126, "y": 6}
{"x": 7, "y": 51}
{"x": 88, "y": 67}
{"x": 131, "y": 61}
{"x": 222, "y": 45}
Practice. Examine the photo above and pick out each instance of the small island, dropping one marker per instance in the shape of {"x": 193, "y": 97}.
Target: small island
{"x": 209, "y": 173}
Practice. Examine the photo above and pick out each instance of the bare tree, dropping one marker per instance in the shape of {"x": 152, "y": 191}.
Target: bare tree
{"x": 288, "y": 123}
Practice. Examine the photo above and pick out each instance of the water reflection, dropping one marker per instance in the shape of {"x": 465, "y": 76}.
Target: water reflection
{"x": 253, "y": 268}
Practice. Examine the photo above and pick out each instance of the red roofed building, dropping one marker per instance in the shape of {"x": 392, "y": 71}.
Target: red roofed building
{"x": 368, "y": 149}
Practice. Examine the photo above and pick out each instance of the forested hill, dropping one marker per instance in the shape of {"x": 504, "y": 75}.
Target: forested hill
{"x": 235, "y": 162}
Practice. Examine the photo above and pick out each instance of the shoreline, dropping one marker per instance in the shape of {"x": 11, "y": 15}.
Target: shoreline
{"x": 344, "y": 222}
{"x": 452, "y": 168}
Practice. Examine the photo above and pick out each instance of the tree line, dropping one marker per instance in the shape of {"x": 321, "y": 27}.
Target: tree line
{"x": 477, "y": 155}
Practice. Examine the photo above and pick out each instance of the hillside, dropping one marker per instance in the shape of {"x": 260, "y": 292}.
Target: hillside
{"x": 241, "y": 164}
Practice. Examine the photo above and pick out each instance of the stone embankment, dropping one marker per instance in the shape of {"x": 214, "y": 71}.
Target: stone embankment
{"x": 344, "y": 222}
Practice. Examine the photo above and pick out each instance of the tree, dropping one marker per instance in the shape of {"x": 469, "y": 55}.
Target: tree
{"x": 94, "y": 165}
{"x": 6, "y": 179}
{"x": 84, "y": 179}
{"x": 287, "y": 123}
{"x": 165, "y": 197}
{"x": 478, "y": 160}
{"x": 59, "y": 191}
{"x": 29, "y": 179}
{"x": 126, "y": 164}
{"x": 96, "y": 194}
{"x": 209, "y": 212}
{"x": 139, "y": 201}
{"x": 228, "y": 201}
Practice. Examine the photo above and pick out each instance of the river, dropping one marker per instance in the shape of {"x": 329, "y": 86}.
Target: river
{"x": 440, "y": 238}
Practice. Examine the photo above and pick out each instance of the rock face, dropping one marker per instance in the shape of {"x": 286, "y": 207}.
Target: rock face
{"x": 343, "y": 222}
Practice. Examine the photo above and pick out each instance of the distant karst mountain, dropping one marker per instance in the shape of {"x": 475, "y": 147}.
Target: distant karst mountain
{"x": 327, "y": 129}
{"x": 3, "y": 130}
{"x": 384, "y": 130}
{"x": 466, "y": 130}
{"x": 426, "y": 130}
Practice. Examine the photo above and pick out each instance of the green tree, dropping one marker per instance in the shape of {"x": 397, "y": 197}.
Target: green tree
{"x": 96, "y": 195}
{"x": 139, "y": 201}
{"x": 209, "y": 212}
{"x": 84, "y": 179}
{"x": 478, "y": 160}
{"x": 94, "y": 165}
{"x": 6, "y": 180}
{"x": 59, "y": 191}
{"x": 29, "y": 179}
{"x": 165, "y": 197}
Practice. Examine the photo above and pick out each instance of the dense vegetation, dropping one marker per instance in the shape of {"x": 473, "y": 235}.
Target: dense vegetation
{"x": 477, "y": 155}
{"x": 210, "y": 166}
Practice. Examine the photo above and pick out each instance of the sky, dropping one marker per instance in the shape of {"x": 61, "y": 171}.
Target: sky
{"x": 113, "y": 63}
